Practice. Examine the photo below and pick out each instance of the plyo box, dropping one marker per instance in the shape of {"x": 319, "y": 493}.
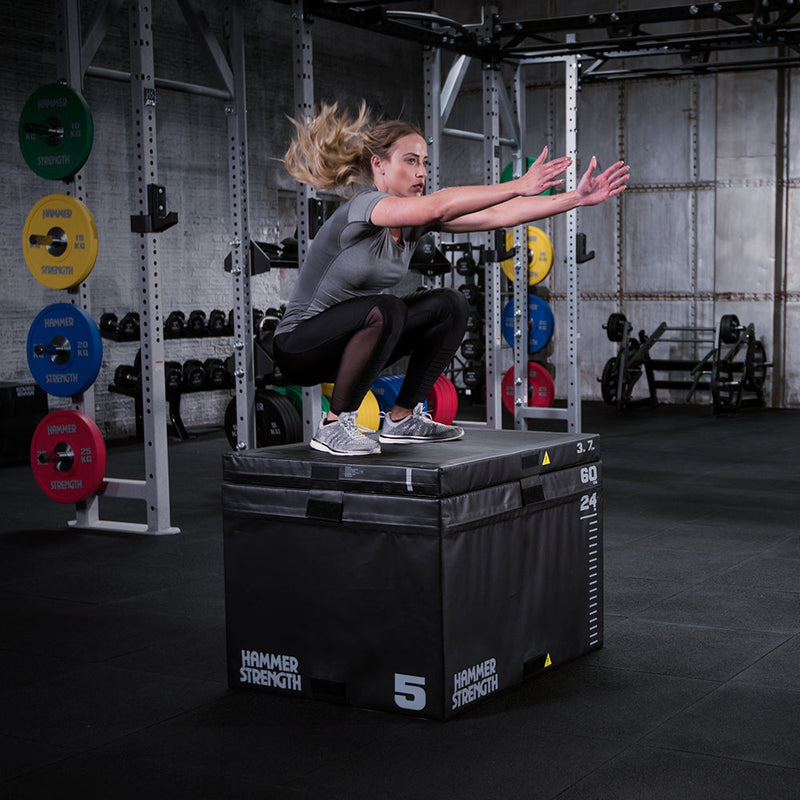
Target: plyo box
{"x": 421, "y": 580}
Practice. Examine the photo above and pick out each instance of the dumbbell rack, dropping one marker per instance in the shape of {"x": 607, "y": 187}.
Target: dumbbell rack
{"x": 175, "y": 388}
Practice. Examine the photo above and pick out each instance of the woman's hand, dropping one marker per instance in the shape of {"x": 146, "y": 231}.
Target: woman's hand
{"x": 541, "y": 175}
{"x": 594, "y": 189}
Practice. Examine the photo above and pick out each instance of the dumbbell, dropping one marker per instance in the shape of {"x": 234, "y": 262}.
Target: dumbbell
{"x": 173, "y": 375}
{"x": 466, "y": 265}
{"x": 126, "y": 376}
{"x": 217, "y": 323}
{"x": 128, "y": 328}
{"x": 217, "y": 376}
{"x": 474, "y": 320}
{"x": 174, "y": 325}
{"x": 472, "y": 349}
{"x": 474, "y": 375}
{"x": 472, "y": 293}
{"x": 108, "y": 324}
{"x": 197, "y": 325}
{"x": 194, "y": 374}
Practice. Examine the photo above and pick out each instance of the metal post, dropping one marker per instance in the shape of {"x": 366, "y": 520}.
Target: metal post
{"x": 521, "y": 388}
{"x": 236, "y": 111}
{"x": 573, "y": 296}
{"x": 432, "y": 72}
{"x": 491, "y": 161}
{"x": 304, "y": 109}
{"x": 143, "y": 110}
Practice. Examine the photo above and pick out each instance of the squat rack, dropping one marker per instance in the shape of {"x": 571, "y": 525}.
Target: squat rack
{"x": 76, "y": 51}
{"x": 605, "y": 38}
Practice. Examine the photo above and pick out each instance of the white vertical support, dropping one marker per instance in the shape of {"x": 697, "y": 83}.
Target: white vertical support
{"x": 520, "y": 291}
{"x": 432, "y": 79}
{"x": 70, "y": 69}
{"x": 491, "y": 162}
{"x": 154, "y": 406}
{"x": 432, "y": 73}
{"x": 236, "y": 113}
{"x": 573, "y": 292}
{"x": 304, "y": 109}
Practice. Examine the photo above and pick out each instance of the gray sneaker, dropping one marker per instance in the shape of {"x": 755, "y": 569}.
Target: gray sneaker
{"x": 343, "y": 438}
{"x": 418, "y": 427}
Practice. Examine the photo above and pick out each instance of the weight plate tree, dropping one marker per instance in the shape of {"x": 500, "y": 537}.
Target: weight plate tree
{"x": 56, "y": 131}
{"x": 68, "y": 456}
{"x": 60, "y": 241}
{"x": 65, "y": 350}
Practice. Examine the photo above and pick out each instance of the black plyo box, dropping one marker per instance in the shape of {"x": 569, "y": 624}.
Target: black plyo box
{"x": 421, "y": 580}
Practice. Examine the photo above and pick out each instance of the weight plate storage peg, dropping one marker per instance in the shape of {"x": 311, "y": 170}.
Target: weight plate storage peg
{"x": 65, "y": 350}
{"x": 60, "y": 242}
{"x": 56, "y": 131}
{"x": 68, "y": 456}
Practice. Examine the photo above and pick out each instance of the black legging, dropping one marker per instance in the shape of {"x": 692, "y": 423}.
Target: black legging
{"x": 351, "y": 342}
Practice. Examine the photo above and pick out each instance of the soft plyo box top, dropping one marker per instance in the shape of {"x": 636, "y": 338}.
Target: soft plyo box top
{"x": 482, "y": 458}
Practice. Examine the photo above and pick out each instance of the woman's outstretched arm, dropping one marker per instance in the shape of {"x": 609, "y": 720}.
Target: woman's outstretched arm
{"x": 453, "y": 203}
{"x": 591, "y": 190}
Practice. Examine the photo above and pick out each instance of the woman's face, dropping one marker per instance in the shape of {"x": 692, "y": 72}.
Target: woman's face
{"x": 403, "y": 173}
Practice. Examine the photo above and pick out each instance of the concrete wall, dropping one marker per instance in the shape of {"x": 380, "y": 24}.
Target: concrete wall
{"x": 192, "y": 165}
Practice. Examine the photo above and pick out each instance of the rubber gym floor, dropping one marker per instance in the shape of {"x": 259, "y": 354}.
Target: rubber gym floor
{"x": 113, "y": 647}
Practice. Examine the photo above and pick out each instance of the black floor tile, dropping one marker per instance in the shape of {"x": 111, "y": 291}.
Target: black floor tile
{"x": 626, "y": 596}
{"x": 601, "y": 703}
{"x": 97, "y": 704}
{"x": 642, "y": 560}
{"x": 682, "y": 650}
{"x": 82, "y": 631}
{"x": 718, "y": 605}
{"x": 263, "y": 739}
{"x": 779, "y": 669}
{"x": 789, "y": 548}
{"x": 25, "y": 668}
{"x": 469, "y": 759}
{"x": 778, "y": 574}
{"x": 644, "y": 773}
{"x": 730, "y": 539}
{"x": 200, "y": 656}
{"x": 738, "y": 721}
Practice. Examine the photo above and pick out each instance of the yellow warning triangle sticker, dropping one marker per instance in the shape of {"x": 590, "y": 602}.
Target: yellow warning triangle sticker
{"x": 546, "y": 459}
{"x": 547, "y": 662}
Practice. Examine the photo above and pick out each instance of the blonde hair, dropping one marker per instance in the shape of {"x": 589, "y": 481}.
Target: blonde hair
{"x": 332, "y": 151}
